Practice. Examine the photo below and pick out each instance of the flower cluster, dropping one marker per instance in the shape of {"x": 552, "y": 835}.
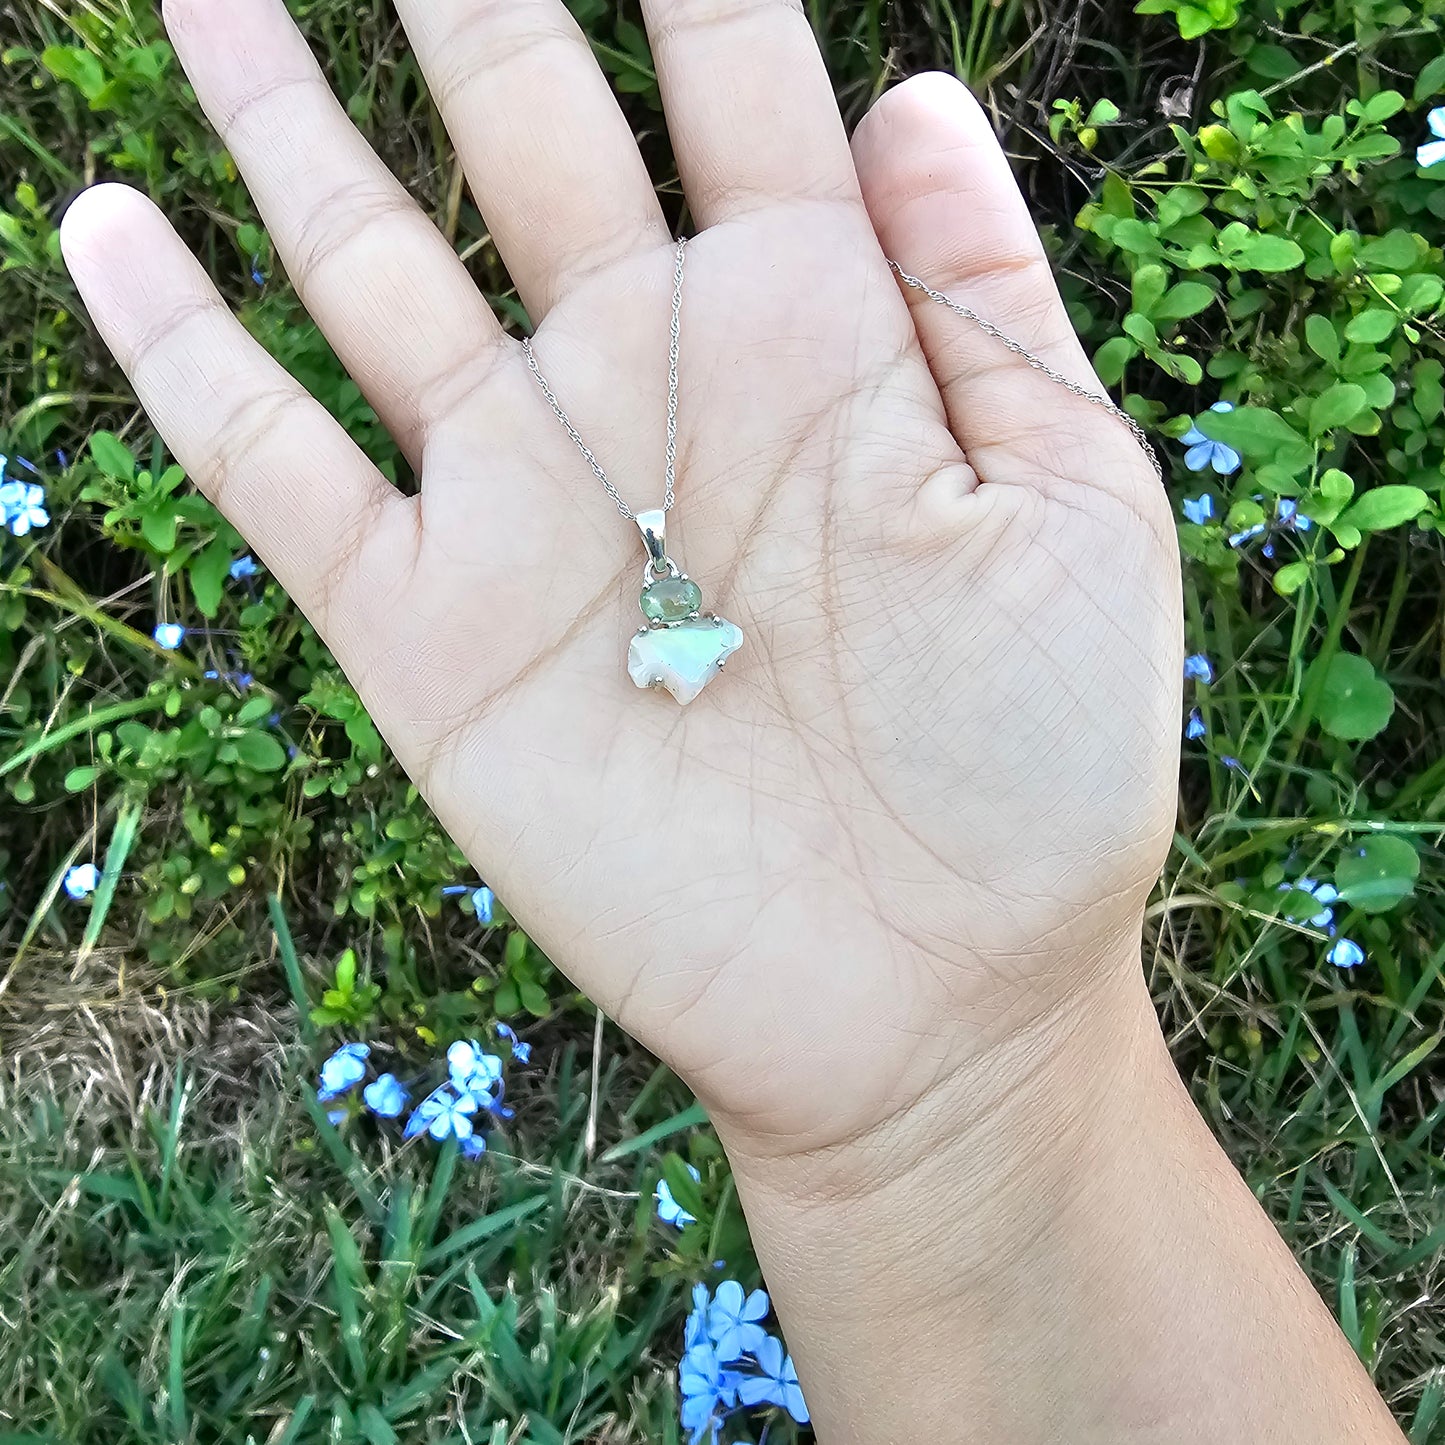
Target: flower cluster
{"x": 22, "y": 504}
{"x": 732, "y": 1363}
{"x": 1343, "y": 952}
{"x": 458, "y": 1108}
{"x": 1287, "y": 518}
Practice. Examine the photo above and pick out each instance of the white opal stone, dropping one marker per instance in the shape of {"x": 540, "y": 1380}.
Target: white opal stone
{"x": 683, "y": 659}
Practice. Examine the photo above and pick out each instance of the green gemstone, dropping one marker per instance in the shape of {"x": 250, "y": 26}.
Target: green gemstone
{"x": 674, "y": 599}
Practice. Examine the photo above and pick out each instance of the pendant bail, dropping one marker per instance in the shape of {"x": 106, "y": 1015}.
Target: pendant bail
{"x": 653, "y": 526}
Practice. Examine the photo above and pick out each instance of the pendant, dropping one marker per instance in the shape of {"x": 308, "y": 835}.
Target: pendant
{"x": 681, "y": 649}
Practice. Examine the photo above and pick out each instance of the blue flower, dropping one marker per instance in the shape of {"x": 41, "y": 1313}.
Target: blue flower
{"x": 1345, "y": 953}
{"x": 669, "y": 1211}
{"x": 707, "y": 1388}
{"x": 1206, "y": 453}
{"x": 778, "y": 1383}
{"x": 695, "y": 1331}
{"x": 733, "y": 1320}
{"x": 244, "y": 566}
{"x": 1198, "y": 510}
{"x": 22, "y": 507}
{"x": 472, "y": 1071}
{"x": 484, "y": 901}
{"x": 258, "y": 276}
{"x": 169, "y": 635}
{"x": 81, "y": 880}
{"x": 385, "y": 1096}
{"x": 1288, "y": 514}
{"x": 445, "y": 1113}
{"x": 520, "y": 1051}
{"x": 1195, "y": 728}
{"x": 1432, "y": 152}
{"x": 342, "y": 1071}
{"x": 1238, "y": 539}
{"x": 1323, "y": 893}
{"x": 1198, "y": 667}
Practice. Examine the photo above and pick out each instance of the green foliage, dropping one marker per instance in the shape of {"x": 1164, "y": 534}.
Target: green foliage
{"x": 1194, "y": 17}
{"x": 1275, "y": 246}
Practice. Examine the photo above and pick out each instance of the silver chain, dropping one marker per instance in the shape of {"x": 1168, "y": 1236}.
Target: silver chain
{"x": 1021, "y": 351}
{"x": 672, "y": 369}
{"x": 675, "y": 338}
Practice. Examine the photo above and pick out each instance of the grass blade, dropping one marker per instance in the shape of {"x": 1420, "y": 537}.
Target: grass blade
{"x": 286, "y": 947}
{"x": 297, "y": 1423}
{"x": 176, "y": 1373}
{"x": 691, "y": 1118}
{"x": 349, "y": 1274}
{"x": 345, "y": 1160}
{"x": 483, "y": 1228}
{"x": 127, "y": 825}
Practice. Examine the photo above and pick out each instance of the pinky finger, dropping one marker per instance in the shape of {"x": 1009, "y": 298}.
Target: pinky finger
{"x": 276, "y": 464}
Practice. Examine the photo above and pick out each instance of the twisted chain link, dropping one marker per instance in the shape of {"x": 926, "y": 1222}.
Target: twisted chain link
{"x": 1021, "y": 351}
{"x": 673, "y": 350}
{"x": 673, "y": 353}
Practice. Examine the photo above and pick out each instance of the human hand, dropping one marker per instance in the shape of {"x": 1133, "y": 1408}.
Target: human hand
{"x": 920, "y": 812}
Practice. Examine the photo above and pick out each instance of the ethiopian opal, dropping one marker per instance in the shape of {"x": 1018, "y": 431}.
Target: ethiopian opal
{"x": 683, "y": 659}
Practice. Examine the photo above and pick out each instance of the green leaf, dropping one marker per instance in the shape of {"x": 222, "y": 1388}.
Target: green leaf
{"x": 1336, "y": 406}
{"x": 78, "y": 67}
{"x": 1269, "y": 253}
{"x": 1385, "y": 507}
{"x": 208, "y": 571}
{"x": 112, "y": 456}
{"x": 1383, "y": 105}
{"x": 1379, "y": 874}
{"x": 1370, "y": 326}
{"x": 260, "y": 752}
{"x": 1355, "y": 702}
{"x": 1291, "y": 577}
{"x": 1394, "y": 251}
{"x": 1255, "y": 431}
{"x": 77, "y": 780}
{"x": 159, "y": 530}
{"x": 1148, "y": 287}
{"x": 1431, "y": 80}
{"x": 1322, "y": 338}
{"x": 1187, "y": 298}
{"x": 1273, "y": 62}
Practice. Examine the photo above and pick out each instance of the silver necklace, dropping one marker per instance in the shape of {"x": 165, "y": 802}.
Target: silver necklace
{"x": 681, "y": 648}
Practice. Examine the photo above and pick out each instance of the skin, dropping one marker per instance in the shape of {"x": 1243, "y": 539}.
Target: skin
{"x": 877, "y": 894}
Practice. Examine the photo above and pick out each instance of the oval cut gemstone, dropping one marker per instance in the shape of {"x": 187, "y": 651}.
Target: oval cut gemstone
{"x": 673, "y": 599}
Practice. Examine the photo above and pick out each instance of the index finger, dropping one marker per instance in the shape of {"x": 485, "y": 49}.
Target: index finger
{"x": 279, "y": 467}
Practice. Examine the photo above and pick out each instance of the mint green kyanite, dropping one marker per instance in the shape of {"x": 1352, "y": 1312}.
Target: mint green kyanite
{"x": 673, "y": 599}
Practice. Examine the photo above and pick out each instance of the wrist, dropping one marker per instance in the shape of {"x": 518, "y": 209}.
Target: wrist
{"x": 1023, "y": 1116}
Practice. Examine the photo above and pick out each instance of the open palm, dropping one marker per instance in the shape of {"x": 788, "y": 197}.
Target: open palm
{"x": 943, "y": 758}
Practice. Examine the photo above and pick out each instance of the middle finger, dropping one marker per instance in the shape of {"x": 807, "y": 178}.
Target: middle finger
{"x": 551, "y": 159}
